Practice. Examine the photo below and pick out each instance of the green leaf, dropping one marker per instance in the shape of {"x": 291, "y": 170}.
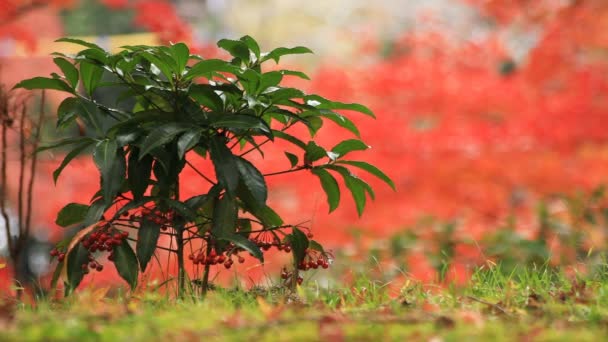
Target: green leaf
{"x": 44, "y": 83}
{"x": 347, "y": 146}
{"x": 68, "y": 111}
{"x": 323, "y": 103}
{"x": 340, "y": 120}
{"x": 330, "y": 186}
{"x": 293, "y": 159}
{"x": 209, "y": 66}
{"x": 181, "y": 53}
{"x": 147, "y": 239}
{"x": 91, "y": 75}
{"x": 290, "y": 138}
{"x": 111, "y": 164}
{"x": 252, "y": 45}
{"x": 126, "y": 263}
{"x": 80, "y": 42}
{"x": 187, "y": 141}
{"x": 356, "y": 186}
{"x": 253, "y": 180}
{"x": 299, "y": 244}
{"x": 294, "y": 73}
{"x": 164, "y": 67}
{"x": 246, "y": 244}
{"x": 235, "y": 48}
{"x": 68, "y": 158}
{"x": 314, "y": 245}
{"x": 225, "y": 216}
{"x": 313, "y": 152}
{"x": 161, "y": 136}
{"x": 240, "y": 121}
{"x": 71, "y": 214}
{"x": 138, "y": 172}
{"x": 95, "y": 212}
{"x": 225, "y": 164}
{"x": 77, "y": 257}
{"x": 269, "y": 79}
{"x": 68, "y": 69}
{"x": 371, "y": 169}
{"x": 206, "y": 96}
{"x": 277, "y": 53}
{"x": 64, "y": 142}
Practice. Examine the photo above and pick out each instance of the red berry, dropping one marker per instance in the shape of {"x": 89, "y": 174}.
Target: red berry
{"x": 111, "y": 257}
{"x": 241, "y": 259}
{"x": 61, "y": 257}
{"x": 287, "y": 249}
{"x": 309, "y": 235}
{"x": 124, "y": 235}
{"x": 221, "y": 259}
{"x": 54, "y": 252}
{"x": 300, "y": 280}
{"x": 99, "y": 268}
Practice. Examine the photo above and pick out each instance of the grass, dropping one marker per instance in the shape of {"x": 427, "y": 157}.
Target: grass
{"x": 539, "y": 304}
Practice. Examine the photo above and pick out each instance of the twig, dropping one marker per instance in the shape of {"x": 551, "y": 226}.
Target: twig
{"x": 492, "y": 305}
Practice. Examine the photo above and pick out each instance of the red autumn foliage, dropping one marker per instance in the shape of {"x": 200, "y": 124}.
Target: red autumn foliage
{"x": 462, "y": 140}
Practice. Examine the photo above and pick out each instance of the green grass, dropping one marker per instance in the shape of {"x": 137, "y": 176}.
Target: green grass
{"x": 539, "y": 304}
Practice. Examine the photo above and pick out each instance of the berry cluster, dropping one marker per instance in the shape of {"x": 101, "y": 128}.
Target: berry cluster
{"x": 104, "y": 239}
{"x": 285, "y": 274}
{"x": 314, "y": 259}
{"x": 164, "y": 219}
{"x": 59, "y": 254}
{"x": 215, "y": 259}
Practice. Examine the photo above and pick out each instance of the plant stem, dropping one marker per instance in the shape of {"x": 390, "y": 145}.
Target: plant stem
{"x": 205, "y": 284}
{"x": 181, "y": 268}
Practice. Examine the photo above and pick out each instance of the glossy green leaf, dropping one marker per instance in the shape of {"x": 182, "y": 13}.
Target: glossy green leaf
{"x": 225, "y": 216}
{"x": 77, "y": 257}
{"x": 91, "y": 76}
{"x": 293, "y": 159}
{"x": 181, "y": 53}
{"x": 313, "y": 152}
{"x": 323, "y": 103}
{"x": 346, "y": 146}
{"x": 225, "y": 164}
{"x": 126, "y": 263}
{"x": 206, "y": 96}
{"x": 246, "y": 244}
{"x": 67, "y": 112}
{"x": 138, "y": 173}
{"x": 208, "y": 66}
{"x": 44, "y": 83}
{"x": 253, "y": 180}
{"x": 95, "y": 212}
{"x": 252, "y": 45}
{"x": 235, "y": 48}
{"x": 294, "y": 73}
{"x": 161, "y": 136}
{"x": 111, "y": 164}
{"x": 269, "y": 79}
{"x": 371, "y": 169}
{"x": 240, "y": 121}
{"x": 299, "y": 244}
{"x": 71, "y": 214}
{"x": 68, "y": 69}
{"x": 330, "y": 186}
{"x": 187, "y": 141}
{"x": 147, "y": 239}
{"x": 277, "y": 53}
{"x": 71, "y": 155}
{"x": 290, "y": 138}
{"x": 80, "y": 42}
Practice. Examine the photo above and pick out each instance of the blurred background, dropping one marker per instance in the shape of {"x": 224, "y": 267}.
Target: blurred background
{"x": 492, "y": 120}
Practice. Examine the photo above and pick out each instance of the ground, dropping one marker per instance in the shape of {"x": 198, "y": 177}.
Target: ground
{"x": 533, "y": 304}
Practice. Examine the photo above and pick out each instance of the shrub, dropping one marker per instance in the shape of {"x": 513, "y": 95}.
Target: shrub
{"x": 184, "y": 104}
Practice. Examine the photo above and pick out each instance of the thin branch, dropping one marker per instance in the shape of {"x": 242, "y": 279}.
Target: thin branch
{"x": 21, "y": 177}
{"x": 200, "y": 173}
{"x": 3, "y": 177}
{"x": 30, "y": 186}
{"x": 299, "y": 168}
